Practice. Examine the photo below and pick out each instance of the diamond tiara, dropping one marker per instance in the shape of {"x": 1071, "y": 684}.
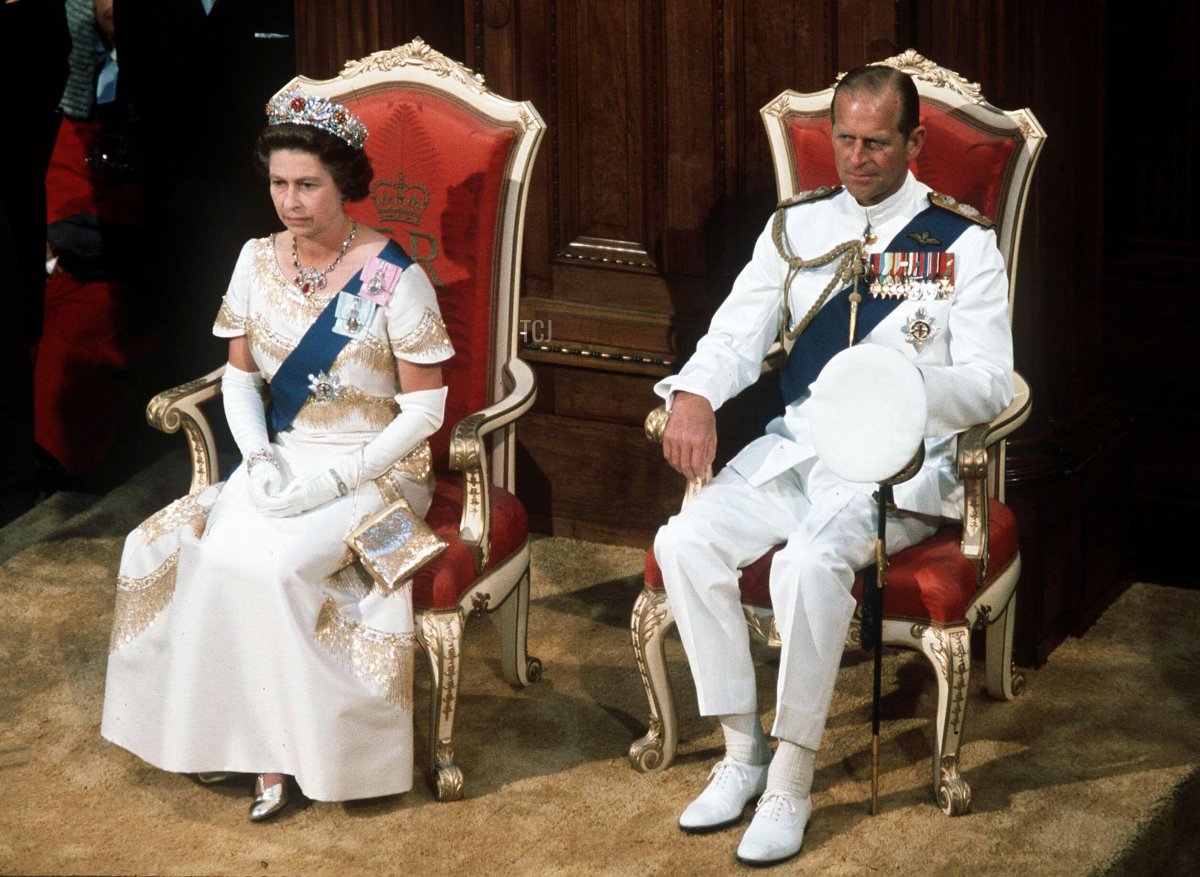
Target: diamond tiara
{"x": 297, "y": 108}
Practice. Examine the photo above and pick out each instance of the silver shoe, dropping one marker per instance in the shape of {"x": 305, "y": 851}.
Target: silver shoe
{"x": 213, "y": 776}
{"x": 268, "y": 800}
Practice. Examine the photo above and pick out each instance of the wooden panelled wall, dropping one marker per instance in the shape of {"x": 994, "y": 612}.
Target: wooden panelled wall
{"x": 653, "y": 183}
{"x": 655, "y": 179}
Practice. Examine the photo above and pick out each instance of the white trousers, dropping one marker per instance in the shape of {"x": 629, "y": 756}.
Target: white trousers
{"x": 829, "y": 527}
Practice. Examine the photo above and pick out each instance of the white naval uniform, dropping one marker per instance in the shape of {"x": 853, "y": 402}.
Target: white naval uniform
{"x": 776, "y": 489}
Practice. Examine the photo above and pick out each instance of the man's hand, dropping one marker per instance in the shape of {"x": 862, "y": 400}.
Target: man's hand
{"x": 690, "y": 439}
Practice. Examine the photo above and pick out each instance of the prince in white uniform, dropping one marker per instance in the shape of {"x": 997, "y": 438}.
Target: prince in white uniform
{"x": 952, "y": 324}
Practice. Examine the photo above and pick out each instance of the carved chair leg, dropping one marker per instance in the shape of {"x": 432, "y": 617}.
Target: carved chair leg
{"x": 1004, "y": 682}
{"x": 441, "y": 634}
{"x": 651, "y": 620}
{"x": 949, "y": 650}
{"x": 518, "y": 667}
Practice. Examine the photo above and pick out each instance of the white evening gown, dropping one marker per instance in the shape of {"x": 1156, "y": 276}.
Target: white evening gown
{"x": 237, "y": 645}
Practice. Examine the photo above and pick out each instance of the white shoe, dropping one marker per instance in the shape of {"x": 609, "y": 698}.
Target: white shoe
{"x": 777, "y": 829}
{"x": 731, "y": 786}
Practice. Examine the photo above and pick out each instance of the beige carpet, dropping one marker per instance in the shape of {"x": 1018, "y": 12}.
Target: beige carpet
{"x": 1091, "y": 771}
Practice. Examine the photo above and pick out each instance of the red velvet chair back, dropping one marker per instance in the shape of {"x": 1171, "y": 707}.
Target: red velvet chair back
{"x": 959, "y": 159}
{"x": 451, "y": 162}
{"x": 439, "y": 181}
{"x": 974, "y": 152}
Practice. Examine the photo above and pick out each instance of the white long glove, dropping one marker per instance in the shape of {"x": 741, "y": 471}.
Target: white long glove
{"x": 421, "y": 414}
{"x": 241, "y": 393}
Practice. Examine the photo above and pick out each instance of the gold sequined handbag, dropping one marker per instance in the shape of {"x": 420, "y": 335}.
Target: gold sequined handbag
{"x": 394, "y": 544}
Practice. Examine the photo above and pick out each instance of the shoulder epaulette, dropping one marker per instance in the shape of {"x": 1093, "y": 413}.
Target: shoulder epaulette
{"x": 819, "y": 194}
{"x": 966, "y": 211}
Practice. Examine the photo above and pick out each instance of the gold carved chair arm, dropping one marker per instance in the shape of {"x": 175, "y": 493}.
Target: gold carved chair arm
{"x": 468, "y": 454}
{"x": 656, "y": 423}
{"x": 180, "y": 407}
{"x": 975, "y": 447}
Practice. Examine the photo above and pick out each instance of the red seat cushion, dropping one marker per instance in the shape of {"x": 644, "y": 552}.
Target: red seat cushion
{"x": 928, "y": 582}
{"x": 440, "y": 584}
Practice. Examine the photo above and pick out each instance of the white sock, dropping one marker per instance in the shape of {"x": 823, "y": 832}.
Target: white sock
{"x": 744, "y": 739}
{"x": 791, "y": 769}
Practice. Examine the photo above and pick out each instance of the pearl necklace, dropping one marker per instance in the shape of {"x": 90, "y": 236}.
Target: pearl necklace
{"x": 312, "y": 280}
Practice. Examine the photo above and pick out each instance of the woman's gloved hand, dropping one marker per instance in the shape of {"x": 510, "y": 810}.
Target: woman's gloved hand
{"x": 305, "y": 494}
{"x": 265, "y": 475}
{"x": 420, "y": 416}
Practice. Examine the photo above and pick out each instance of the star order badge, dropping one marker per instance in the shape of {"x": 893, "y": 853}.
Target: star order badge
{"x": 919, "y": 328}
{"x": 324, "y": 387}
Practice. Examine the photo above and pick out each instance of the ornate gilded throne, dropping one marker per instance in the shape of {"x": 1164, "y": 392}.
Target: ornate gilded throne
{"x": 965, "y": 575}
{"x": 452, "y": 161}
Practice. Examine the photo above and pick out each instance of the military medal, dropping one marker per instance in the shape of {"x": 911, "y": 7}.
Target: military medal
{"x": 324, "y": 387}
{"x": 911, "y": 275}
{"x": 919, "y": 328}
{"x": 353, "y": 315}
{"x": 379, "y": 278}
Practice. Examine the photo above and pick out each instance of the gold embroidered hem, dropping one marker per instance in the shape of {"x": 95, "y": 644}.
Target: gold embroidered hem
{"x": 427, "y": 342}
{"x": 370, "y": 353}
{"x": 349, "y": 404}
{"x": 381, "y": 661}
{"x": 266, "y": 340}
{"x": 183, "y": 512}
{"x": 351, "y": 578}
{"x": 227, "y": 320}
{"x": 140, "y": 601}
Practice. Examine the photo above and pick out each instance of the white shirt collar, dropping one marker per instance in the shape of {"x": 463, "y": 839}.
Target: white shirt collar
{"x": 899, "y": 203}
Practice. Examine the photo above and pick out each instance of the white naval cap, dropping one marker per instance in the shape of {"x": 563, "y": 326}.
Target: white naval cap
{"x": 867, "y": 413}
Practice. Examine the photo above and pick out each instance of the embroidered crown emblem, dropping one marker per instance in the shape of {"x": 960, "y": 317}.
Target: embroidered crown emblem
{"x": 297, "y": 108}
{"x": 400, "y": 201}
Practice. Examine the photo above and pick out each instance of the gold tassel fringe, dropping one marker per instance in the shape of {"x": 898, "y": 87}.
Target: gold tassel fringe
{"x": 140, "y": 601}
{"x": 381, "y": 661}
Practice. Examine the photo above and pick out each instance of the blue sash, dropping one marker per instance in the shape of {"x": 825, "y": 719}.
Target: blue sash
{"x": 828, "y": 333}
{"x": 316, "y": 352}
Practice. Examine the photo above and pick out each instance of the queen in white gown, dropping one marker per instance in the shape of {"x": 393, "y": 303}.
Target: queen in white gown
{"x": 245, "y": 639}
